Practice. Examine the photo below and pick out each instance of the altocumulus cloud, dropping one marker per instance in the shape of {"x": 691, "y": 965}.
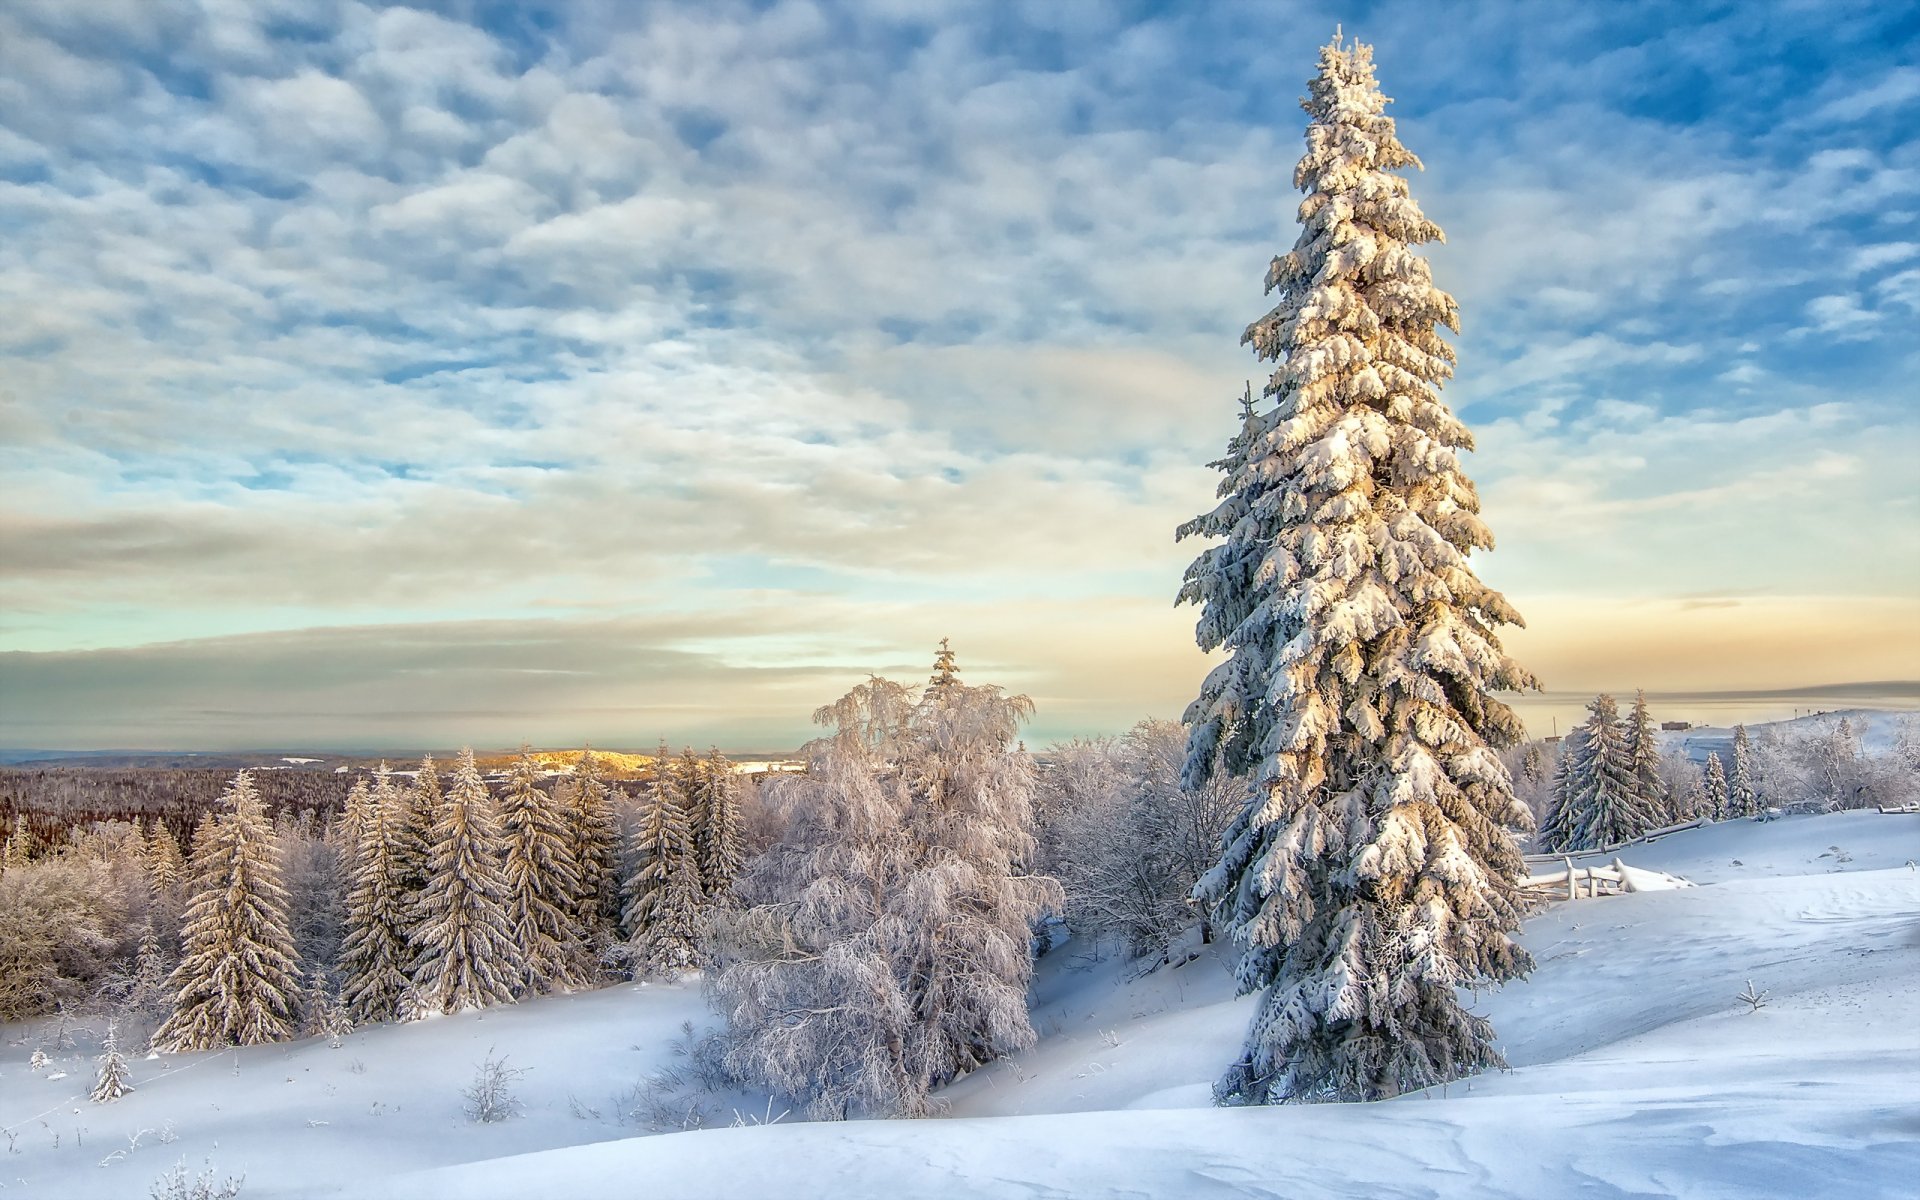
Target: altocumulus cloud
{"x": 387, "y": 375}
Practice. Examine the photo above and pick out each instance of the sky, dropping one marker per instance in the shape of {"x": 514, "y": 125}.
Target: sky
{"x": 379, "y": 376}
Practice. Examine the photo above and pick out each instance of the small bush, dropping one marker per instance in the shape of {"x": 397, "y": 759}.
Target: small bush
{"x": 176, "y": 1184}
{"x": 490, "y": 1096}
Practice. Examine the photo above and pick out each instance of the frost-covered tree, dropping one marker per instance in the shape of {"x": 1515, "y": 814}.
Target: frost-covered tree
{"x": 464, "y": 955}
{"x": 313, "y": 868}
{"x": 884, "y": 946}
{"x": 1602, "y": 803}
{"x": 412, "y": 831}
{"x": 1643, "y": 756}
{"x": 716, "y": 834}
{"x": 1743, "y": 797}
{"x": 374, "y": 955}
{"x": 664, "y": 895}
{"x": 588, "y": 803}
{"x": 1127, "y": 839}
{"x": 1374, "y": 871}
{"x": 1716, "y": 787}
{"x": 354, "y": 815}
{"x": 237, "y": 981}
{"x": 543, "y": 881}
{"x": 110, "y": 1083}
{"x": 164, "y": 862}
{"x": 946, "y": 667}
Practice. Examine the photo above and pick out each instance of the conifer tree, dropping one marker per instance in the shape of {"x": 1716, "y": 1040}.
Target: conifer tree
{"x": 164, "y": 864}
{"x": 412, "y": 832}
{"x": 1743, "y": 798}
{"x": 664, "y": 895}
{"x": 589, "y": 806}
{"x": 374, "y": 956}
{"x": 946, "y": 669}
{"x": 1533, "y": 764}
{"x": 354, "y": 816}
{"x": 464, "y": 954}
{"x": 237, "y": 981}
{"x": 717, "y": 834}
{"x": 1604, "y": 802}
{"x": 1643, "y": 754}
{"x": 1557, "y": 829}
{"x": 1374, "y": 871}
{"x": 543, "y": 881}
{"x": 111, "y": 1082}
{"x": 148, "y": 997}
{"x": 1716, "y": 787}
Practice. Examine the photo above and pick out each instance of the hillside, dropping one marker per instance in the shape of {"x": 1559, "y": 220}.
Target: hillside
{"x": 1635, "y": 1072}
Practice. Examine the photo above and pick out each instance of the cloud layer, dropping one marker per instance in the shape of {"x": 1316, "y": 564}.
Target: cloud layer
{"x": 407, "y": 375}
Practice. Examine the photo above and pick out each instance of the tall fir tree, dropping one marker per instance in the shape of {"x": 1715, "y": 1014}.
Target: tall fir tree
{"x": 354, "y": 815}
{"x": 1557, "y": 829}
{"x": 1716, "y": 787}
{"x": 1743, "y": 797}
{"x": 1643, "y": 755}
{"x": 716, "y": 834}
{"x": 412, "y": 829}
{"x": 588, "y": 802}
{"x": 543, "y": 881}
{"x": 664, "y": 896}
{"x": 374, "y": 955}
{"x": 1604, "y": 802}
{"x": 464, "y": 955}
{"x": 1373, "y": 872}
{"x": 237, "y": 982}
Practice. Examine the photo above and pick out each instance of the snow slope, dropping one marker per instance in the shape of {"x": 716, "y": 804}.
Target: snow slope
{"x": 1636, "y": 1072}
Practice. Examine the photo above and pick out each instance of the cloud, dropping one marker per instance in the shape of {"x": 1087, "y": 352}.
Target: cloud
{"x": 331, "y": 313}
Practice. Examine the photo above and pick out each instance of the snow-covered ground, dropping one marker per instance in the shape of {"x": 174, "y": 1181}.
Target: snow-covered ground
{"x": 1636, "y": 1072}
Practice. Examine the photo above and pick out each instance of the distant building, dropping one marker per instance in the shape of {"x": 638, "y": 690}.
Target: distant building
{"x": 1676, "y": 725}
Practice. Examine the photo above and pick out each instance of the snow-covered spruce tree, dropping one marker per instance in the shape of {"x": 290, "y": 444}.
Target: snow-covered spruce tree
{"x": 716, "y": 834}
{"x": 883, "y": 947}
{"x": 237, "y": 981}
{"x": 412, "y": 830}
{"x": 1716, "y": 788}
{"x": 1557, "y": 832}
{"x": 374, "y": 955}
{"x": 464, "y": 955}
{"x": 353, "y": 819}
{"x": 1604, "y": 803}
{"x": 1643, "y": 755}
{"x": 1743, "y": 796}
{"x": 588, "y": 803}
{"x": 111, "y": 1082}
{"x": 946, "y": 667}
{"x": 664, "y": 895}
{"x": 543, "y": 881}
{"x": 1374, "y": 871}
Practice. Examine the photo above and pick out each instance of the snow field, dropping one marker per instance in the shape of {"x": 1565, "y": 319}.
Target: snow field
{"x": 1636, "y": 1072}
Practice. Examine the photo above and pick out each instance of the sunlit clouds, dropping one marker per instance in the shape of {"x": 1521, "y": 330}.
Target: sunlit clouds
{"x": 376, "y": 376}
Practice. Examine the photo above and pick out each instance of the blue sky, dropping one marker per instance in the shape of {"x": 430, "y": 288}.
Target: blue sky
{"x": 384, "y": 376}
